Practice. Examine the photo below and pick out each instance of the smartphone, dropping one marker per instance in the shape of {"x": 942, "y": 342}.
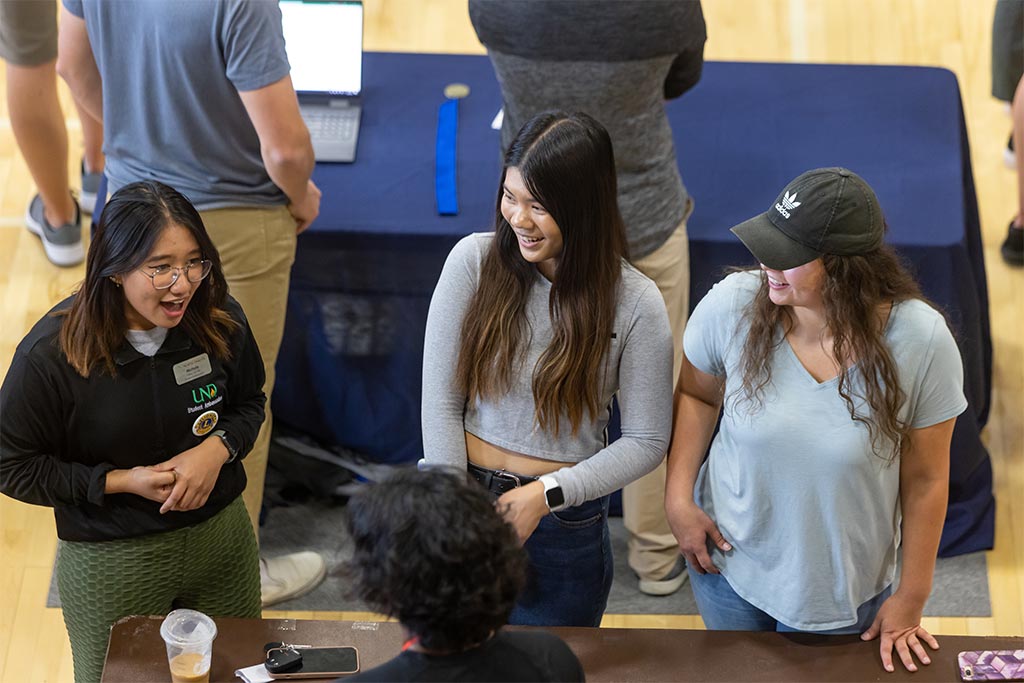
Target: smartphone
{"x": 319, "y": 662}
{"x": 991, "y": 665}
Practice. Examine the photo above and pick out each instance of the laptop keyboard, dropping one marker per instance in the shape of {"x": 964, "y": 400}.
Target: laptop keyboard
{"x": 335, "y": 125}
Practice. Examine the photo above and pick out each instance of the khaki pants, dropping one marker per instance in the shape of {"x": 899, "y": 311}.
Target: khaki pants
{"x": 652, "y": 547}
{"x": 257, "y": 249}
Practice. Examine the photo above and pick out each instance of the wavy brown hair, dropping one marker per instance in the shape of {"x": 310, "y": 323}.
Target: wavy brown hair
{"x": 566, "y": 162}
{"x": 94, "y": 327}
{"x": 853, "y": 291}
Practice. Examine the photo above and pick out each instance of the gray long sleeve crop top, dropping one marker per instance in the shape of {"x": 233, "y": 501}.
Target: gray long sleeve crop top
{"x": 638, "y": 369}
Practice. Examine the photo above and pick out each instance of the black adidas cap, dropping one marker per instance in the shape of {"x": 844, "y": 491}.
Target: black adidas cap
{"x": 824, "y": 211}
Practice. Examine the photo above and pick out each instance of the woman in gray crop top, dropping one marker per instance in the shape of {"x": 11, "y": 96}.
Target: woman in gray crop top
{"x": 532, "y": 330}
{"x": 838, "y": 387}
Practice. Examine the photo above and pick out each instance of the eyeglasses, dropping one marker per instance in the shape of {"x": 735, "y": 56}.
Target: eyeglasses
{"x": 164, "y": 277}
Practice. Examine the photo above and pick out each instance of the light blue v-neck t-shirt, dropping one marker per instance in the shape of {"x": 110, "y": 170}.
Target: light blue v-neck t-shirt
{"x": 812, "y": 513}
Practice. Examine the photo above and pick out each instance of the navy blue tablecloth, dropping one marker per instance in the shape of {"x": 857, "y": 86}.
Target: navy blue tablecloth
{"x": 350, "y": 363}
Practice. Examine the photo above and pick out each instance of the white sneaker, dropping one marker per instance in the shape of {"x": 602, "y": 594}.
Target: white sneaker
{"x": 668, "y": 584}
{"x": 290, "y": 576}
{"x": 62, "y": 243}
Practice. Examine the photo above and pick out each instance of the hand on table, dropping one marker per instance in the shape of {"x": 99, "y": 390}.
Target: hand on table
{"x": 523, "y": 508}
{"x": 196, "y": 471}
{"x": 693, "y": 528}
{"x": 898, "y": 622}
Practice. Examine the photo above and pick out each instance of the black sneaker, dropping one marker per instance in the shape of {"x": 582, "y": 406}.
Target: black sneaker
{"x": 1013, "y": 246}
{"x": 63, "y": 243}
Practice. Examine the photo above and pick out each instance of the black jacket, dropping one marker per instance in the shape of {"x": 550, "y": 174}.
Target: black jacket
{"x": 60, "y": 433}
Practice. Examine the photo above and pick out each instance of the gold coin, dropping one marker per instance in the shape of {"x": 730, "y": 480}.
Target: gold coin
{"x": 456, "y": 91}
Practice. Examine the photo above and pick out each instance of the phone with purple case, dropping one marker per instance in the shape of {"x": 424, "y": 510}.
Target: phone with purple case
{"x": 991, "y": 665}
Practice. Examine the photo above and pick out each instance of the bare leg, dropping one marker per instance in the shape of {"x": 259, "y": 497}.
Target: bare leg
{"x": 92, "y": 138}
{"x": 1017, "y": 111}
{"x": 38, "y": 125}
{"x": 1012, "y": 248}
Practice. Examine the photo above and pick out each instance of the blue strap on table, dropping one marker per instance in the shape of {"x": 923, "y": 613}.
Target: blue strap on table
{"x": 445, "y": 187}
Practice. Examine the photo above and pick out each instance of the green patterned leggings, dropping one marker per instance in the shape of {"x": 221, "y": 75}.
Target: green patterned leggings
{"x": 212, "y": 567}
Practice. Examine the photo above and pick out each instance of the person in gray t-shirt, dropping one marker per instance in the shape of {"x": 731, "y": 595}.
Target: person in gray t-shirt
{"x": 531, "y": 332}
{"x": 838, "y": 387}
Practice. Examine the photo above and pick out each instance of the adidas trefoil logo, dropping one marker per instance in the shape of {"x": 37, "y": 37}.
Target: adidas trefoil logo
{"x": 789, "y": 203}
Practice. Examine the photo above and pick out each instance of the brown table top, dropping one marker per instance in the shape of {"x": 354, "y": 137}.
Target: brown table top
{"x": 136, "y": 652}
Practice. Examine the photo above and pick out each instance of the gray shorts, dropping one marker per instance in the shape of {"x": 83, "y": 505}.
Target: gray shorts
{"x": 1007, "y": 48}
{"x": 28, "y": 31}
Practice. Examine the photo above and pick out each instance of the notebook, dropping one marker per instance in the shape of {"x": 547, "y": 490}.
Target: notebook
{"x": 324, "y": 41}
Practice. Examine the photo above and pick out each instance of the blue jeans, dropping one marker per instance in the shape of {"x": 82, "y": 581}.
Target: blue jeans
{"x": 570, "y": 573}
{"x": 723, "y": 610}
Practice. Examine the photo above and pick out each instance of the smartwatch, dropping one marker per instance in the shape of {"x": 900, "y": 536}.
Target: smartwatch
{"x": 229, "y": 443}
{"x": 553, "y": 494}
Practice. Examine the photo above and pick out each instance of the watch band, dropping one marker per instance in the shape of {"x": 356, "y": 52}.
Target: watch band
{"x": 228, "y": 444}
{"x": 554, "y": 497}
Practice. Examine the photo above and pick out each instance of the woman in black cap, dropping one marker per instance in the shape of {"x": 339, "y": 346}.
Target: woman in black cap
{"x": 838, "y": 386}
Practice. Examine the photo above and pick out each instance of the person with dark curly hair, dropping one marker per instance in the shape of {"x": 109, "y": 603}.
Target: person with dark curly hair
{"x": 431, "y": 551}
{"x": 838, "y": 386}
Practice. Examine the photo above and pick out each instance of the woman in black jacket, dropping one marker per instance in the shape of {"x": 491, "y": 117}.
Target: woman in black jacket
{"x": 127, "y": 409}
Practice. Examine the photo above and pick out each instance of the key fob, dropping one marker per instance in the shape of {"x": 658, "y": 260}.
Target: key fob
{"x": 282, "y": 660}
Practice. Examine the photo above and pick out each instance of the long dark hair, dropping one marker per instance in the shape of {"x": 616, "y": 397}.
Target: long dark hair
{"x": 853, "y": 291}
{"x": 430, "y": 549}
{"x": 131, "y": 223}
{"x": 566, "y": 162}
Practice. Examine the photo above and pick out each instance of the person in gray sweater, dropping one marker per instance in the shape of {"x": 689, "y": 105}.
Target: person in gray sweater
{"x": 531, "y": 331}
{"x": 617, "y": 60}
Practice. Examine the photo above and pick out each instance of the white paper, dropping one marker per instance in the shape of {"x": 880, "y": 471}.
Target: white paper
{"x": 498, "y": 118}
{"x": 254, "y": 674}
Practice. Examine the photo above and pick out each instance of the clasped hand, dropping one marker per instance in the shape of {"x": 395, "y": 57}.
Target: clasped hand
{"x": 194, "y": 474}
{"x": 142, "y": 481}
{"x": 181, "y": 483}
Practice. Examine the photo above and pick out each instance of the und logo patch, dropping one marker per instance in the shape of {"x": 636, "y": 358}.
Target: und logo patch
{"x": 205, "y": 423}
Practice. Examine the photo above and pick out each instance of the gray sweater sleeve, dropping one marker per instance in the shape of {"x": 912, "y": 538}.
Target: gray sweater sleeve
{"x": 443, "y": 405}
{"x": 645, "y": 407}
{"x": 644, "y": 377}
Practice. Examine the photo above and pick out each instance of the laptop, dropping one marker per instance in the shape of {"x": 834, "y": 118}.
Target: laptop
{"x": 324, "y": 41}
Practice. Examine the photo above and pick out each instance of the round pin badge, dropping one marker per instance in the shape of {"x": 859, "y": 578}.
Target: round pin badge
{"x": 205, "y": 423}
{"x": 456, "y": 91}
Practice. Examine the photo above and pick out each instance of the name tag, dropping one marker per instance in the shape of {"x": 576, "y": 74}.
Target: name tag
{"x": 193, "y": 368}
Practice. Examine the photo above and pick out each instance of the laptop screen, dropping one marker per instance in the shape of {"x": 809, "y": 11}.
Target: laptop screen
{"x": 324, "y": 41}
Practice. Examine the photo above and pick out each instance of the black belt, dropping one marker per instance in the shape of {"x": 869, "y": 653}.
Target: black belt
{"x": 498, "y": 481}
